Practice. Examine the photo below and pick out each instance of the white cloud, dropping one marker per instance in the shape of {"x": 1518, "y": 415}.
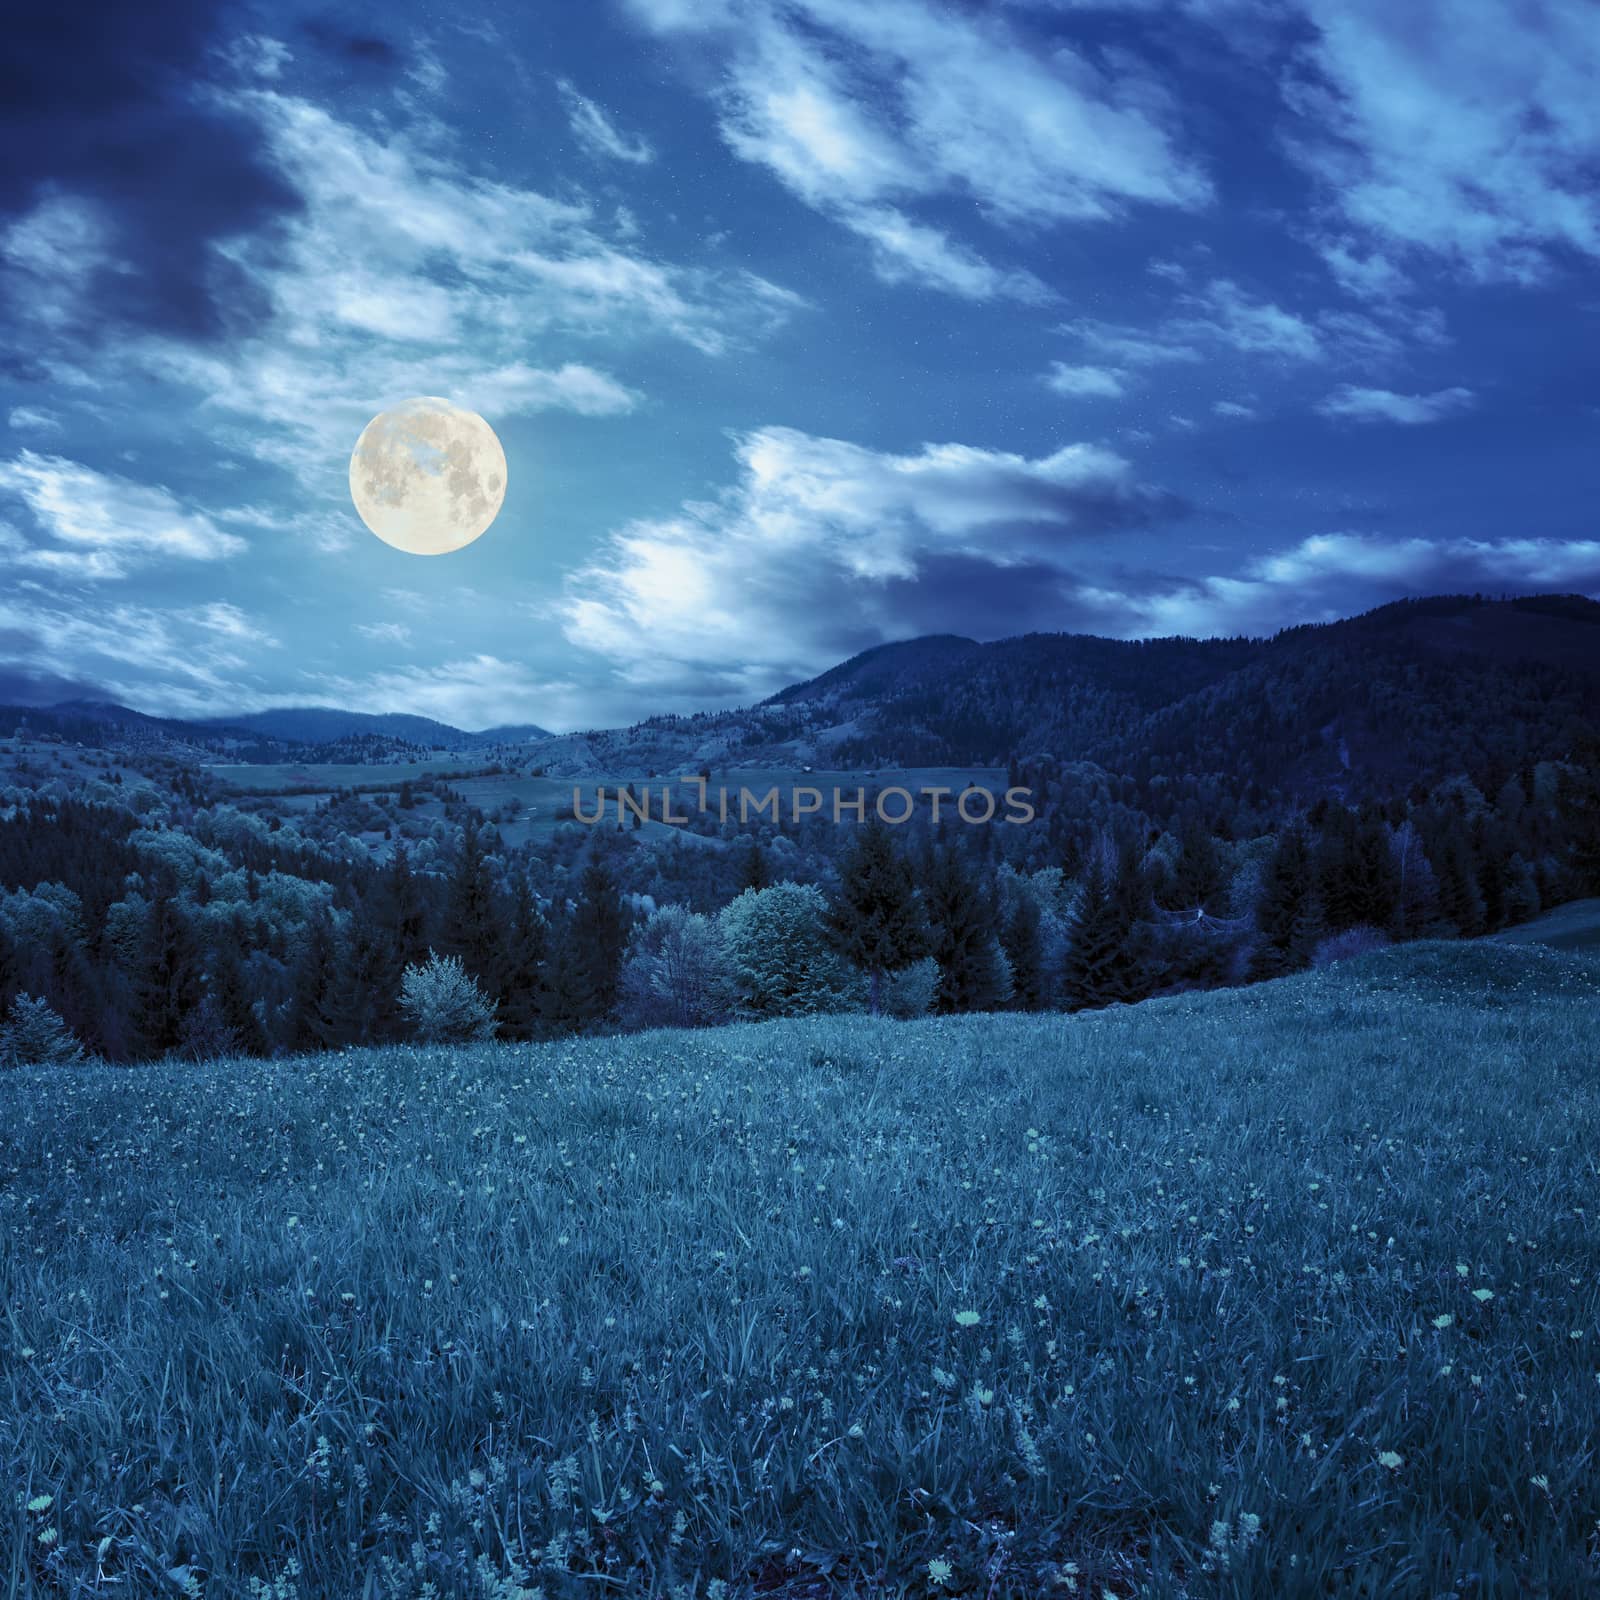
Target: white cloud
{"x": 177, "y": 662}
{"x": 1469, "y": 133}
{"x": 254, "y": 55}
{"x": 596, "y": 132}
{"x": 1338, "y": 575}
{"x": 822, "y": 547}
{"x": 1368, "y": 275}
{"x": 1227, "y": 314}
{"x": 227, "y": 621}
{"x": 327, "y": 531}
{"x": 1083, "y": 381}
{"x": 403, "y": 274}
{"x": 33, "y": 418}
{"x": 905, "y": 251}
{"x": 1384, "y": 405}
{"x": 1222, "y": 316}
{"x": 480, "y": 691}
{"x": 104, "y": 525}
{"x": 385, "y": 632}
{"x": 1135, "y": 347}
{"x": 861, "y": 110}
{"x": 49, "y": 257}
{"x": 1232, "y": 408}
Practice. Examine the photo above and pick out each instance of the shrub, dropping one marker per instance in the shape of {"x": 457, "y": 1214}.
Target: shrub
{"x": 34, "y": 1036}
{"x": 911, "y": 991}
{"x": 443, "y": 1004}
{"x": 1356, "y": 941}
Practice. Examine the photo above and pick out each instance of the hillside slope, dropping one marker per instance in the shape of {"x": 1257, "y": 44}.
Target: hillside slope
{"x": 1407, "y": 694}
{"x": 1278, "y": 1290}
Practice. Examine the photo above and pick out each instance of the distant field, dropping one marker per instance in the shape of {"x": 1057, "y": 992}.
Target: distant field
{"x": 1290, "y": 1290}
{"x": 541, "y": 803}
{"x": 1574, "y": 926}
{"x": 286, "y": 776}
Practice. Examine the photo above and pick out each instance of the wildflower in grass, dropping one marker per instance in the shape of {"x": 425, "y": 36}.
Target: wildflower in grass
{"x": 940, "y": 1572}
{"x": 1392, "y": 1459}
{"x": 1443, "y": 1321}
{"x": 967, "y": 1319}
{"x": 1483, "y": 1296}
{"x": 41, "y": 1502}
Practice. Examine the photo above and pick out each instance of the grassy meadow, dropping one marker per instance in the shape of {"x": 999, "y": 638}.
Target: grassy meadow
{"x": 1292, "y": 1290}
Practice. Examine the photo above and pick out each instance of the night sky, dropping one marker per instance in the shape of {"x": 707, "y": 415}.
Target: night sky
{"x": 806, "y": 325}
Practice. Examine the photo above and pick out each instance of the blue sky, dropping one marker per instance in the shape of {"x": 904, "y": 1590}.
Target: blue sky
{"x": 805, "y": 324}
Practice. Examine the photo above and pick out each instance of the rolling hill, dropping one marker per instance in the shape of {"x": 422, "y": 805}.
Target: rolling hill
{"x": 314, "y": 725}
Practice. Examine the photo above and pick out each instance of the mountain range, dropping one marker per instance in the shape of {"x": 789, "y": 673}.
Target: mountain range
{"x": 1403, "y": 694}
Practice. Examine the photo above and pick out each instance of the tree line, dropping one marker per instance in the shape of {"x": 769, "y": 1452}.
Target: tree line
{"x": 213, "y": 934}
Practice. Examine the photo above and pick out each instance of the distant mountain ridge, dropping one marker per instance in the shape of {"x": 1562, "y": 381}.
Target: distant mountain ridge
{"x": 1413, "y": 689}
{"x": 1398, "y": 695}
{"x": 330, "y": 725}
{"x": 271, "y": 732}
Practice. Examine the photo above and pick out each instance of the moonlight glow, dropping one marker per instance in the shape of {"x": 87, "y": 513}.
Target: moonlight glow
{"x": 428, "y": 477}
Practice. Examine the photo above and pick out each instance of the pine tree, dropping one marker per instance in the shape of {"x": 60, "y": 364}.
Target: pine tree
{"x": 1335, "y": 873}
{"x": 753, "y": 870}
{"x": 876, "y": 920}
{"x": 470, "y": 924}
{"x": 1023, "y": 942}
{"x": 312, "y": 1022}
{"x": 168, "y": 983}
{"x": 1197, "y": 878}
{"x": 526, "y": 951}
{"x": 32, "y": 1035}
{"x": 1578, "y": 798}
{"x": 1375, "y": 886}
{"x": 443, "y": 1005}
{"x": 1416, "y": 901}
{"x": 1107, "y": 955}
{"x": 403, "y": 912}
{"x": 8, "y": 969}
{"x": 1460, "y": 901}
{"x": 964, "y": 937}
{"x": 362, "y": 1000}
{"x": 230, "y": 993}
{"x": 1288, "y": 914}
{"x": 588, "y": 945}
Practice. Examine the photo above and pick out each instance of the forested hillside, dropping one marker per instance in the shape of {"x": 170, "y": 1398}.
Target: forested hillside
{"x": 1407, "y": 694}
{"x": 1415, "y": 773}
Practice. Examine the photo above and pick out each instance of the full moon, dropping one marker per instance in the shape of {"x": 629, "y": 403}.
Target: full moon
{"x": 428, "y": 477}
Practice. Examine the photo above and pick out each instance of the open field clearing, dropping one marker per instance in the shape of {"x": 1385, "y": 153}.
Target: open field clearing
{"x": 300, "y": 777}
{"x": 1291, "y": 1290}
